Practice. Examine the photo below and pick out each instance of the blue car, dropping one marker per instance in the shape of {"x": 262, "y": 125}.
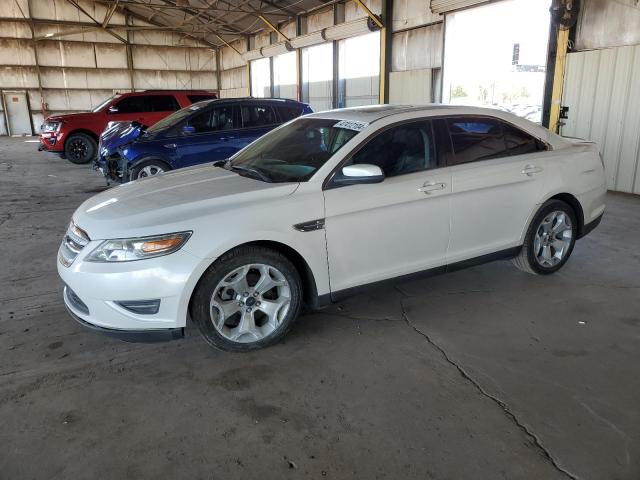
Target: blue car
{"x": 203, "y": 132}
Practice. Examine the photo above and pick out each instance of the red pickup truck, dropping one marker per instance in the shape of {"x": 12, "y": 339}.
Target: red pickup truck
{"x": 74, "y": 136}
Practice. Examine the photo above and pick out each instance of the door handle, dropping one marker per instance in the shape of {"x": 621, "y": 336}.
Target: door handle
{"x": 429, "y": 187}
{"x": 169, "y": 145}
{"x": 530, "y": 170}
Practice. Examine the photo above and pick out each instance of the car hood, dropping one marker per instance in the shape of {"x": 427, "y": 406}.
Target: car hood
{"x": 172, "y": 201}
{"x": 71, "y": 117}
{"x": 117, "y": 136}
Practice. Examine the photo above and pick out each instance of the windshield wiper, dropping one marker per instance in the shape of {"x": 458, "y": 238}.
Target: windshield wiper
{"x": 254, "y": 172}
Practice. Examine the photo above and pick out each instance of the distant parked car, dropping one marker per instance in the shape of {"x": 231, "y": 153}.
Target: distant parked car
{"x": 75, "y": 135}
{"x": 204, "y": 132}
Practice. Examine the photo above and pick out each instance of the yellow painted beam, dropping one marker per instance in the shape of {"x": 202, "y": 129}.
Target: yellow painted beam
{"x": 383, "y": 65}
{"x": 558, "y": 79}
{"x": 272, "y": 27}
{"x": 370, "y": 14}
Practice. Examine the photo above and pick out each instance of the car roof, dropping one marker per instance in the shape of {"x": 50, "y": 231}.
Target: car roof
{"x": 156, "y": 92}
{"x": 373, "y": 113}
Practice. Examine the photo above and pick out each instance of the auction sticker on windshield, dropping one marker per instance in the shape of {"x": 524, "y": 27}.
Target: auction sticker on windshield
{"x": 351, "y": 125}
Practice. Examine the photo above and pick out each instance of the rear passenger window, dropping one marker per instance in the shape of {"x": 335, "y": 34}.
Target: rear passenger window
{"x": 200, "y": 98}
{"x": 519, "y": 142}
{"x": 132, "y": 104}
{"x": 400, "y": 150}
{"x": 163, "y": 103}
{"x": 258, "y": 116}
{"x": 289, "y": 113}
{"x": 476, "y": 138}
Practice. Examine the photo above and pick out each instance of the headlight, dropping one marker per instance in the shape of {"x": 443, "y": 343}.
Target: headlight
{"x": 130, "y": 249}
{"x": 51, "y": 126}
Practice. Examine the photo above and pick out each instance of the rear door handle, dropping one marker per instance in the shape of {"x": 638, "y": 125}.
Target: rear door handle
{"x": 429, "y": 187}
{"x": 531, "y": 169}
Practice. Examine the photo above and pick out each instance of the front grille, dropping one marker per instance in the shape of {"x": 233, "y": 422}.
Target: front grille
{"x": 72, "y": 244}
{"x": 75, "y": 301}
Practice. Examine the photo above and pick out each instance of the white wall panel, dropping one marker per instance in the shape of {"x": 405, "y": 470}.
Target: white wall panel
{"x": 319, "y": 20}
{"x": 230, "y": 58}
{"x": 412, "y": 87}
{"x": 417, "y": 49}
{"x": 352, "y": 11}
{"x": 11, "y": 9}
{"x": 84, "y": 78}
{"x": 14, "y": 30}
{"x": 603, "y": 95}
{"x": 63, "y": 10}
{"x": 18, "y": 77}
{"x": 175, "y": 58}
{"x": 157, "y": 80}
{"x": 111, "y": 56}
{"x": 16, "y": 52}
{"x": 412, "y": 13}
{"x": 66, "y": 54}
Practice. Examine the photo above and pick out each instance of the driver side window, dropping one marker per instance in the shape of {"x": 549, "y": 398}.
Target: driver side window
{"x": 400, "y": 150}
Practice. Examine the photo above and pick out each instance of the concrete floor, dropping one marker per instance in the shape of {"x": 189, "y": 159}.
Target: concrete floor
{"x": 484, "y": 373}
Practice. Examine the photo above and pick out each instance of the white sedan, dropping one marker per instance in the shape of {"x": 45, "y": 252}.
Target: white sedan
{"x": 320, "y": 207}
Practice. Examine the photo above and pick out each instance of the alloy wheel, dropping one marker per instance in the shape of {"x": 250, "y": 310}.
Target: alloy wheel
{"x": 250, "y": 303}
{"x": 149, "y": 171}
{"x": 552, "y": 239}
{"x": 78, "y": 149}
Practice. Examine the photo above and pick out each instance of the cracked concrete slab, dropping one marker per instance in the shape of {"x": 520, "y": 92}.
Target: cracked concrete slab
{"x": 353, "y": 392}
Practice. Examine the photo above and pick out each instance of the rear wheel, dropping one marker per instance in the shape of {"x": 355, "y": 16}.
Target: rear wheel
{"x": 549, "y": 240}
{"x": 148, "y": 168}
{"x": 248, "y": 299}
{"x": 80, "y": 148}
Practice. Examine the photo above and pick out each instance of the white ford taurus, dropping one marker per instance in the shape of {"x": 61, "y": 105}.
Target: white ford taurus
{"x": 320, "y": 207}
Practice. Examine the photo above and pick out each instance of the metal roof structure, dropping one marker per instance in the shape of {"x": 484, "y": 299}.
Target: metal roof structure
{"x": 213, "y": 22}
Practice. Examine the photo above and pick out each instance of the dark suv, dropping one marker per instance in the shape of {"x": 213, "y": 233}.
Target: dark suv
{"x": 203, "y": 132}
{"x": 75, "y": 136}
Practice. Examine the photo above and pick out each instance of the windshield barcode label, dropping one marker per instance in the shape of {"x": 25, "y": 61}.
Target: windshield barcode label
{"x": 351, "y": 125}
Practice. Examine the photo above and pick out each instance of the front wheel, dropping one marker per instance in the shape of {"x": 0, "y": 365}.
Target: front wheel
{"x": 80, "y": 148}
{"x": 248, "y": 299}
{"x": 148, "y": 168}
{"x": 549, "y": 240}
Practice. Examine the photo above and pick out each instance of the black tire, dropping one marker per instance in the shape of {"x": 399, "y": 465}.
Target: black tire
{"x": 138, "y": 171}
{"x": 527, "y": 259}
{"x": 223, "y": 267}
{"x": 80, "y": 148}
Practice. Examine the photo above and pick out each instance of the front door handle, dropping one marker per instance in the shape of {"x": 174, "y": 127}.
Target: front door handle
{"x": 530, "y": 170}
{"x": 169, "y": 145}
{"x": 429, "y": 187}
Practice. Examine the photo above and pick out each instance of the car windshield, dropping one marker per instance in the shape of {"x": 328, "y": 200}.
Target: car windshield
{"x": 177, "y": 116}
{"x": 103, "y": 104}
{"x": 294, "y": 152}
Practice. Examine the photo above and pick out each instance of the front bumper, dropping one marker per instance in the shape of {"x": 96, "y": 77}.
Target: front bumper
{"x": 96, "y": 294}
{"x": 51, "y": 142}
{"x": 136, "y": 336}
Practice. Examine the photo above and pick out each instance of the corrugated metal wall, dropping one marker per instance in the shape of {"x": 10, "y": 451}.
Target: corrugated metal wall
{"x": 80, "y": 70}
{"x": 416, "y": 53}
{"x": 602, "y": 91}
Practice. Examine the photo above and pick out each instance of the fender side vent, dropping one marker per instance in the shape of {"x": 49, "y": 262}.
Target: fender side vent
{"x": 310, "y": 226}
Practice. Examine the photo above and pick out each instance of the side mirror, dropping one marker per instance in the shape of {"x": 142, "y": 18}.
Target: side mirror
{"x": 359, "y": 173}
{"x": 188, "y": 130}
{"x": 113, "y": 109}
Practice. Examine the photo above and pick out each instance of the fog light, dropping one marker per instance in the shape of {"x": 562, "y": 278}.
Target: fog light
{"x": 141, "y": 307}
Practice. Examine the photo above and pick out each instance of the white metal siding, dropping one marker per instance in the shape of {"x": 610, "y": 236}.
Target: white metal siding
{"x": 441, "y": 6}
{"x": 602, "y": 92}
